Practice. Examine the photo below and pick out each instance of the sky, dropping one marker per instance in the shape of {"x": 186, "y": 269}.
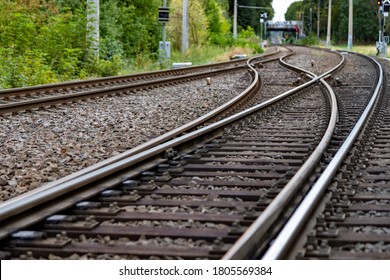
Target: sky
{"x": 280, "y": 7}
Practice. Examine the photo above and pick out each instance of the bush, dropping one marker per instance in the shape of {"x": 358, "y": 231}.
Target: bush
{"x": 24, "y": 70}
{"x": 309, "y": 41}
{"x": 104, "y": 68}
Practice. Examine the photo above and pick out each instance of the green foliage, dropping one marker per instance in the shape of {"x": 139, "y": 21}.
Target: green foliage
{"x": 248, "y": 39}
{"x": 364, "y": 17}
{"x": 220, "y": 39}
{"x": 197, "y": 21}
{"x": 309, "y": 41}
{"x": 38, "y": 44}
{"x": 219, "y": 27}
{"x": 250, "y": 17}
{"x": 105, "y": 68}
{"x": 44, "y": 41}
{"x": 365, "y": 22}
{"x": 293, "y": 11}
{"x": 23, "y": 70}
{"x": 139, "y": 29}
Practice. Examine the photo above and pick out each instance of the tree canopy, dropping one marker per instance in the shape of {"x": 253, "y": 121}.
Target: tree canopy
{"x": 293, "y": 11}
{"x": 249, "y": 16}
{"x": 44, "y": 41}
{"x": 365, "y": 27}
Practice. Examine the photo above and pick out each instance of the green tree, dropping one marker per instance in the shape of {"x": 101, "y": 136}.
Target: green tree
{"x": 219, "y": 27}
{"x": 294, "y": 11}
{"x": 197, "y": 21}
{"x": 251, "y": 17}
{"x": 365, "y": 27}
{"x": 365, "y": 18}
{"x": 140, "y": 31}
{"x": 38, "y": 41}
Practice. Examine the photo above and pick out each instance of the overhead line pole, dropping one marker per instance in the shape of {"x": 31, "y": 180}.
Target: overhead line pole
{"x": 235, "y": 20}
{"x": 318, "y": 20}
{"x": 329, "y": 24}
{"x": 236, "y": 6}
{"x": 350, "y": 25}
{"x": 93, "y": 8}
{"x": 184, "y": 35}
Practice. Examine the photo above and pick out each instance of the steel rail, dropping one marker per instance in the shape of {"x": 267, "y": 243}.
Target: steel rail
{"x": 100, "y": 81}
{"x": 52, "y": 190}
{"x": 51, "y": 100}
{"x": 165, "y": 137}
{"x": 247, "y": 244}
{"x": 290, "y": 231}
{"x": 117, "y": 89}
{"x": 41, "y": 195}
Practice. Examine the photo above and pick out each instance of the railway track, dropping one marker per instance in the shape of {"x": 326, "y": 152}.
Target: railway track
{"x": 160, "y": 164}
{"x": 69, "y": 153}
{"x": 46, "y": 96}
{"x": 349, "y": 222}
{"x": 204, "y": 194}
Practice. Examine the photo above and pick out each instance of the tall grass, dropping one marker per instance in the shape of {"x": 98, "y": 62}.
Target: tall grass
{"x": 197, "y": 56}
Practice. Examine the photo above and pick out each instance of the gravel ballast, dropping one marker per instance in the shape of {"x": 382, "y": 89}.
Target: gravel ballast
{"x": 46, "y": 145}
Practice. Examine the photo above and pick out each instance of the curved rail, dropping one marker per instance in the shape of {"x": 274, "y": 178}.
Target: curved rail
{"x": 169, "y": 135}
{"x": 113, "y": 79}
{"x": 247, "y": 243}
{"x": 302, "y": 213}
{"x": 79, "y": 179}
{"x": 41, "y": 195}
{"x": 52, "y": 100}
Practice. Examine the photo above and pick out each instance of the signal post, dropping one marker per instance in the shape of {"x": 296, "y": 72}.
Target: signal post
{"x": 383, "y": 13}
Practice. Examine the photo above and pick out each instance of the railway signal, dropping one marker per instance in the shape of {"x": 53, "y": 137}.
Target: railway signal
{"x": 164, "y": 46}
{"x": 163, "y": 14}
{"x": 383, "y": 13}
{"x": 263, "y": 18}
{"x": 386, "y": 7}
